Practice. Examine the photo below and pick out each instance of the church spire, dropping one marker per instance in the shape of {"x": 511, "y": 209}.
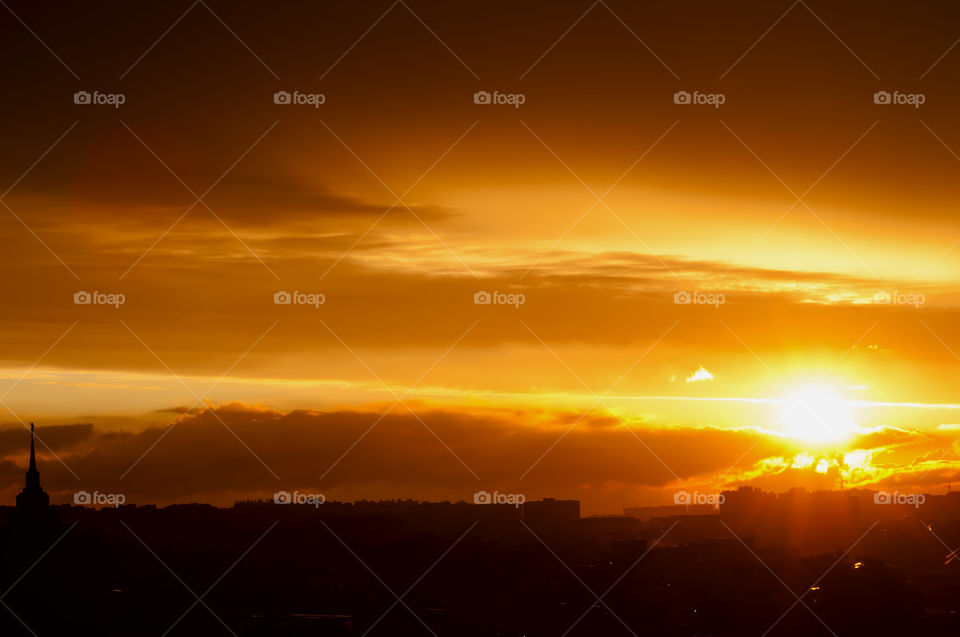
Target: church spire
{"x": 33, "y": 455}
{"x": 33, "y": 500}
{"x": 33, "y": 476}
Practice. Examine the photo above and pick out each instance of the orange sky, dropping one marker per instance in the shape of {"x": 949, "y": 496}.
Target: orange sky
{"x": 799, "y": 200}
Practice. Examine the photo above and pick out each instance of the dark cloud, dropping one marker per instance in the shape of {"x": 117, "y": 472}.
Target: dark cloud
{"x": 199, "y": 459}
{"x": 601, "y": 459}
{"x": 14, "y": 439}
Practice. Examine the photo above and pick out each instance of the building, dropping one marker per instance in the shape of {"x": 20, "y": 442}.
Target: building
{"x": 551, "y": 512}
{"x": 33, "y": 503}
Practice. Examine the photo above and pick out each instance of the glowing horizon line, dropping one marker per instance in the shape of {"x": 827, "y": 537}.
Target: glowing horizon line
{"x": 367, "y": 386}
{"x": 721, "y": 399}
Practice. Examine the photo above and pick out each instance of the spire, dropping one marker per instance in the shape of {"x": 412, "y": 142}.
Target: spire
{"x": 33, "y": 500}
{"x": 33, "y": 476}
{"x": 33, "y": 455}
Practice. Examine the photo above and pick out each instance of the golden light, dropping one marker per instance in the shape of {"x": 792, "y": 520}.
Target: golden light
{"x": 817, "y": 413}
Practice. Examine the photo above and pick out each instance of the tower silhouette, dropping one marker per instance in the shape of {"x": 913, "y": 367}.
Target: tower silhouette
{"x": 33, "y": 501}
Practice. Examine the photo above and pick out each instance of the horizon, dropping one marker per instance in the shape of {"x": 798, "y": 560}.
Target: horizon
{"x": 681, "y": 499}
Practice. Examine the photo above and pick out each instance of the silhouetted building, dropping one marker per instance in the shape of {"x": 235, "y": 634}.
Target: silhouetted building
{"x": 33, "y": 503}
{"x": 662, "y": 511}
{"x": 550, "y": 511}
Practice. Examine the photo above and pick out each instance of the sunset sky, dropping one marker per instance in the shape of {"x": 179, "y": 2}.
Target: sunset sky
{"x": 799, "y": 202}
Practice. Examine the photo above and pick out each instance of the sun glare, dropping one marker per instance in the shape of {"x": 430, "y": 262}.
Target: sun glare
{"x": 817, "y": 414}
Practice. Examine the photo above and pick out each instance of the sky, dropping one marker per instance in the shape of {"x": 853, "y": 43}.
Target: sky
{"x": 803, "y": 201}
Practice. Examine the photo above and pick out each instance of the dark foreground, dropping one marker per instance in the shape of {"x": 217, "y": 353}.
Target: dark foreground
{"x": 459, "y": 569}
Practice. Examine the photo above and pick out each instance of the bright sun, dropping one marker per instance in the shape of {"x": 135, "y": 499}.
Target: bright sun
{"x": 817, "y": 413}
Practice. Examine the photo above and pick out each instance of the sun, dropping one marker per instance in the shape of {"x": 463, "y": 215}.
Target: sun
{"x": 817, "y": 413}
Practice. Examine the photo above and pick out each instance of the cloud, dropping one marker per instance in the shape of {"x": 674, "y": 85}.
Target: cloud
{"x": 224, "y": 301}
{"x": 200, "y": 459}
{"x": 448, "y": 453}
{"x": 15, "y": 438}
{"x": 700, "y": 375}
